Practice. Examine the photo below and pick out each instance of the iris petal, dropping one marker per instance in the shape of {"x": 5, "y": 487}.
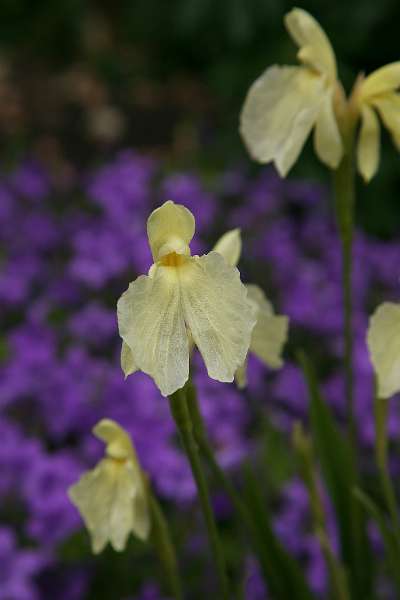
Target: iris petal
{"x": 368, "y": 148}
{"x": 384, "y": 347}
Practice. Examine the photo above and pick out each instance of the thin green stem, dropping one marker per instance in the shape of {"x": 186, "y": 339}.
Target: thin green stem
{"x": 381, "y": 409}
{"x": 180, "y": 413}
{"x": 344, "y": 205}
{"x": 162, "y": 542}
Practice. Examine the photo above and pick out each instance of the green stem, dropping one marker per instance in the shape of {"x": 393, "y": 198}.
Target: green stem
{"x": 165, "y": 549}
{"x": 344, "y": 205}
{"x": 180, "y": 413}
{"x": 381, "y": 406}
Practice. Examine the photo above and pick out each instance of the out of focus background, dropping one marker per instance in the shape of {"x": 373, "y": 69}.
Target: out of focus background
{"x": 107, "y": 109}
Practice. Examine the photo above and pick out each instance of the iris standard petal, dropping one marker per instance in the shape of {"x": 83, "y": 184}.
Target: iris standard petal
{"x": 270, "y": 332}
{"x": 127, "y": 364}
{"x": 170, "y": 228}
{"x": 118, "y": 443}
{"x": 150, "y": 320}
{"x": 218, "y": 313}
{"x": 229, "y": 246}
{"x": 384, "y": 347}
{"x": 368, "y": 147}
{"x": 327, "y": 139}
{"x": 279, "y": 112}
{"x": 385, "y": 79}
{"x": 315, "y": 47}
{"x": 388, "y": 106}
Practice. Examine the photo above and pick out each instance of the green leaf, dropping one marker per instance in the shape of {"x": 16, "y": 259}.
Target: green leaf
{"x": 284, "y": 576}
{"x": 341, "y": 478}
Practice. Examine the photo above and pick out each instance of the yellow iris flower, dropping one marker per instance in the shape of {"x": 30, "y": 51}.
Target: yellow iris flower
{"x": 112, "y": 497}
{"x": 384, "y": 347}
{"x": 285, "y": 103}
{"x": 377, "y": 94}
{"x": 270, "y": 331}
{"x": 184, "y": 298}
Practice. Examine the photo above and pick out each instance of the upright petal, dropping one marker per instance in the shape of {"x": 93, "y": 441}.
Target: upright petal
{"x": 118, "y": 443}
{"x": 218, "y": 313}
{"x": 385, "y": 79}
{"x": 389, "y": 109}
{"x": 368, "y": 143}
{"x": 384, "y": 347}
{"x": 229, "y": 246}
{"x": 279, "y": 112}
{"x": 170, "y": 228}
{"x": 327, "y": 139}
{"x": 270, "y": 332}
{"x": 315, "y": 47}
{"x": 151, "y": 322}
{"x": 127, "y": 364}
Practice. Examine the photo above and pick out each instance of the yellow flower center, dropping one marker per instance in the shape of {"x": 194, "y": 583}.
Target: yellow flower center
{"x": 173, "y": 260}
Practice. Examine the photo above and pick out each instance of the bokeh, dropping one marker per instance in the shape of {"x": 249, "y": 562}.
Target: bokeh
{"x": 106, "y": 110}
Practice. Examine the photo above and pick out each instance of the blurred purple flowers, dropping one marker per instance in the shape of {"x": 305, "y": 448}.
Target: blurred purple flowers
{"x": 67, "y": 255}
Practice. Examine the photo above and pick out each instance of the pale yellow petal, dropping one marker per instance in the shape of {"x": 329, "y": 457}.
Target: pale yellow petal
{"x": 104, "y": 497}
{"x": 127, "y": 364}
{"x": 279, "y": 112}
{"x": 170, "y": 228}
{"x": 327, "y": 139}
{"x": 270, "y": 332}
{"x": 118, "y": 443}
{"x": 218, "y": 313}
{"x": 151, "y": 322}
{"x": 385, "y": 79}
{"x": 368, "y": 148}
{"x": 315, "y": 47}
{"x": 384, "y": 347}
{"x": 230, "y": 246}
{"x": 389, "y": 109}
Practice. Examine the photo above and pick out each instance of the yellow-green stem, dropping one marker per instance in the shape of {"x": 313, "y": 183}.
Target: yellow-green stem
{"x": 180, "y": 413}
{"x": 344, "y": 205}
{"x": 164, "y": 547}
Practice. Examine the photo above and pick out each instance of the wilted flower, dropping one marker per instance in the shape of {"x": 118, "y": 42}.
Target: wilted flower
{"x": 183, "y": 298}
{"x": 270, "y": 331}
{"x": 285, "y": 103}
{"x": 378, "y": 92}
{"x": 112, "y": 497}
{"x": 384, "y": 347}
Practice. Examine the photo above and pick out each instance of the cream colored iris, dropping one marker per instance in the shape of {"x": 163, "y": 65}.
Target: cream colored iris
{"x": 378, "y": 94}
{"x": 384, "y": 348}
{"x": 112, "y": 497}
{"x": 270, "y": 332}
{"x": 286, "y": 103}
{"x": 183, "y": 298}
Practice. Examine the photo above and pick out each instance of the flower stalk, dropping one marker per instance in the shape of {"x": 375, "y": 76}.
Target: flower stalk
{"x": 181, "y": 416}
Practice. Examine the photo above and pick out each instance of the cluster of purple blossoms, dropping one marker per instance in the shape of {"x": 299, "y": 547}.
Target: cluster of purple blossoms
{"x": 67, "y": 253}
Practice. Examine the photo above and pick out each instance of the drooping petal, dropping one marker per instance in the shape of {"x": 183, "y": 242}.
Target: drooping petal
{"x": 368, "y": 148}
{"x": 105, "y": 498}
{"x": 384, "y": 347}
{"x": 389, "y": 109}
{"x": 241, "y": 376}
{"x": 385, "y": 79}
{"x": 279, "y": 112}
{"x": 150, "y": 320}
{"x": 270, "y": 332}
{"x": 127, "y": 364}
{"x": 327, "y": 139}
{"x": 229, "y": 246}
{"x": 315, "y": 47}
{"x": 170, "y": 228}
{"x": 218, "y": 313}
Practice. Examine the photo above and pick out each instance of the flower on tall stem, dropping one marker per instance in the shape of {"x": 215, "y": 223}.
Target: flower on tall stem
{"x": 184, "y": 299}
{"x": 270, "y": 331}
{"x": 285, "y": 103}
{"x": 112, "y": 497}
